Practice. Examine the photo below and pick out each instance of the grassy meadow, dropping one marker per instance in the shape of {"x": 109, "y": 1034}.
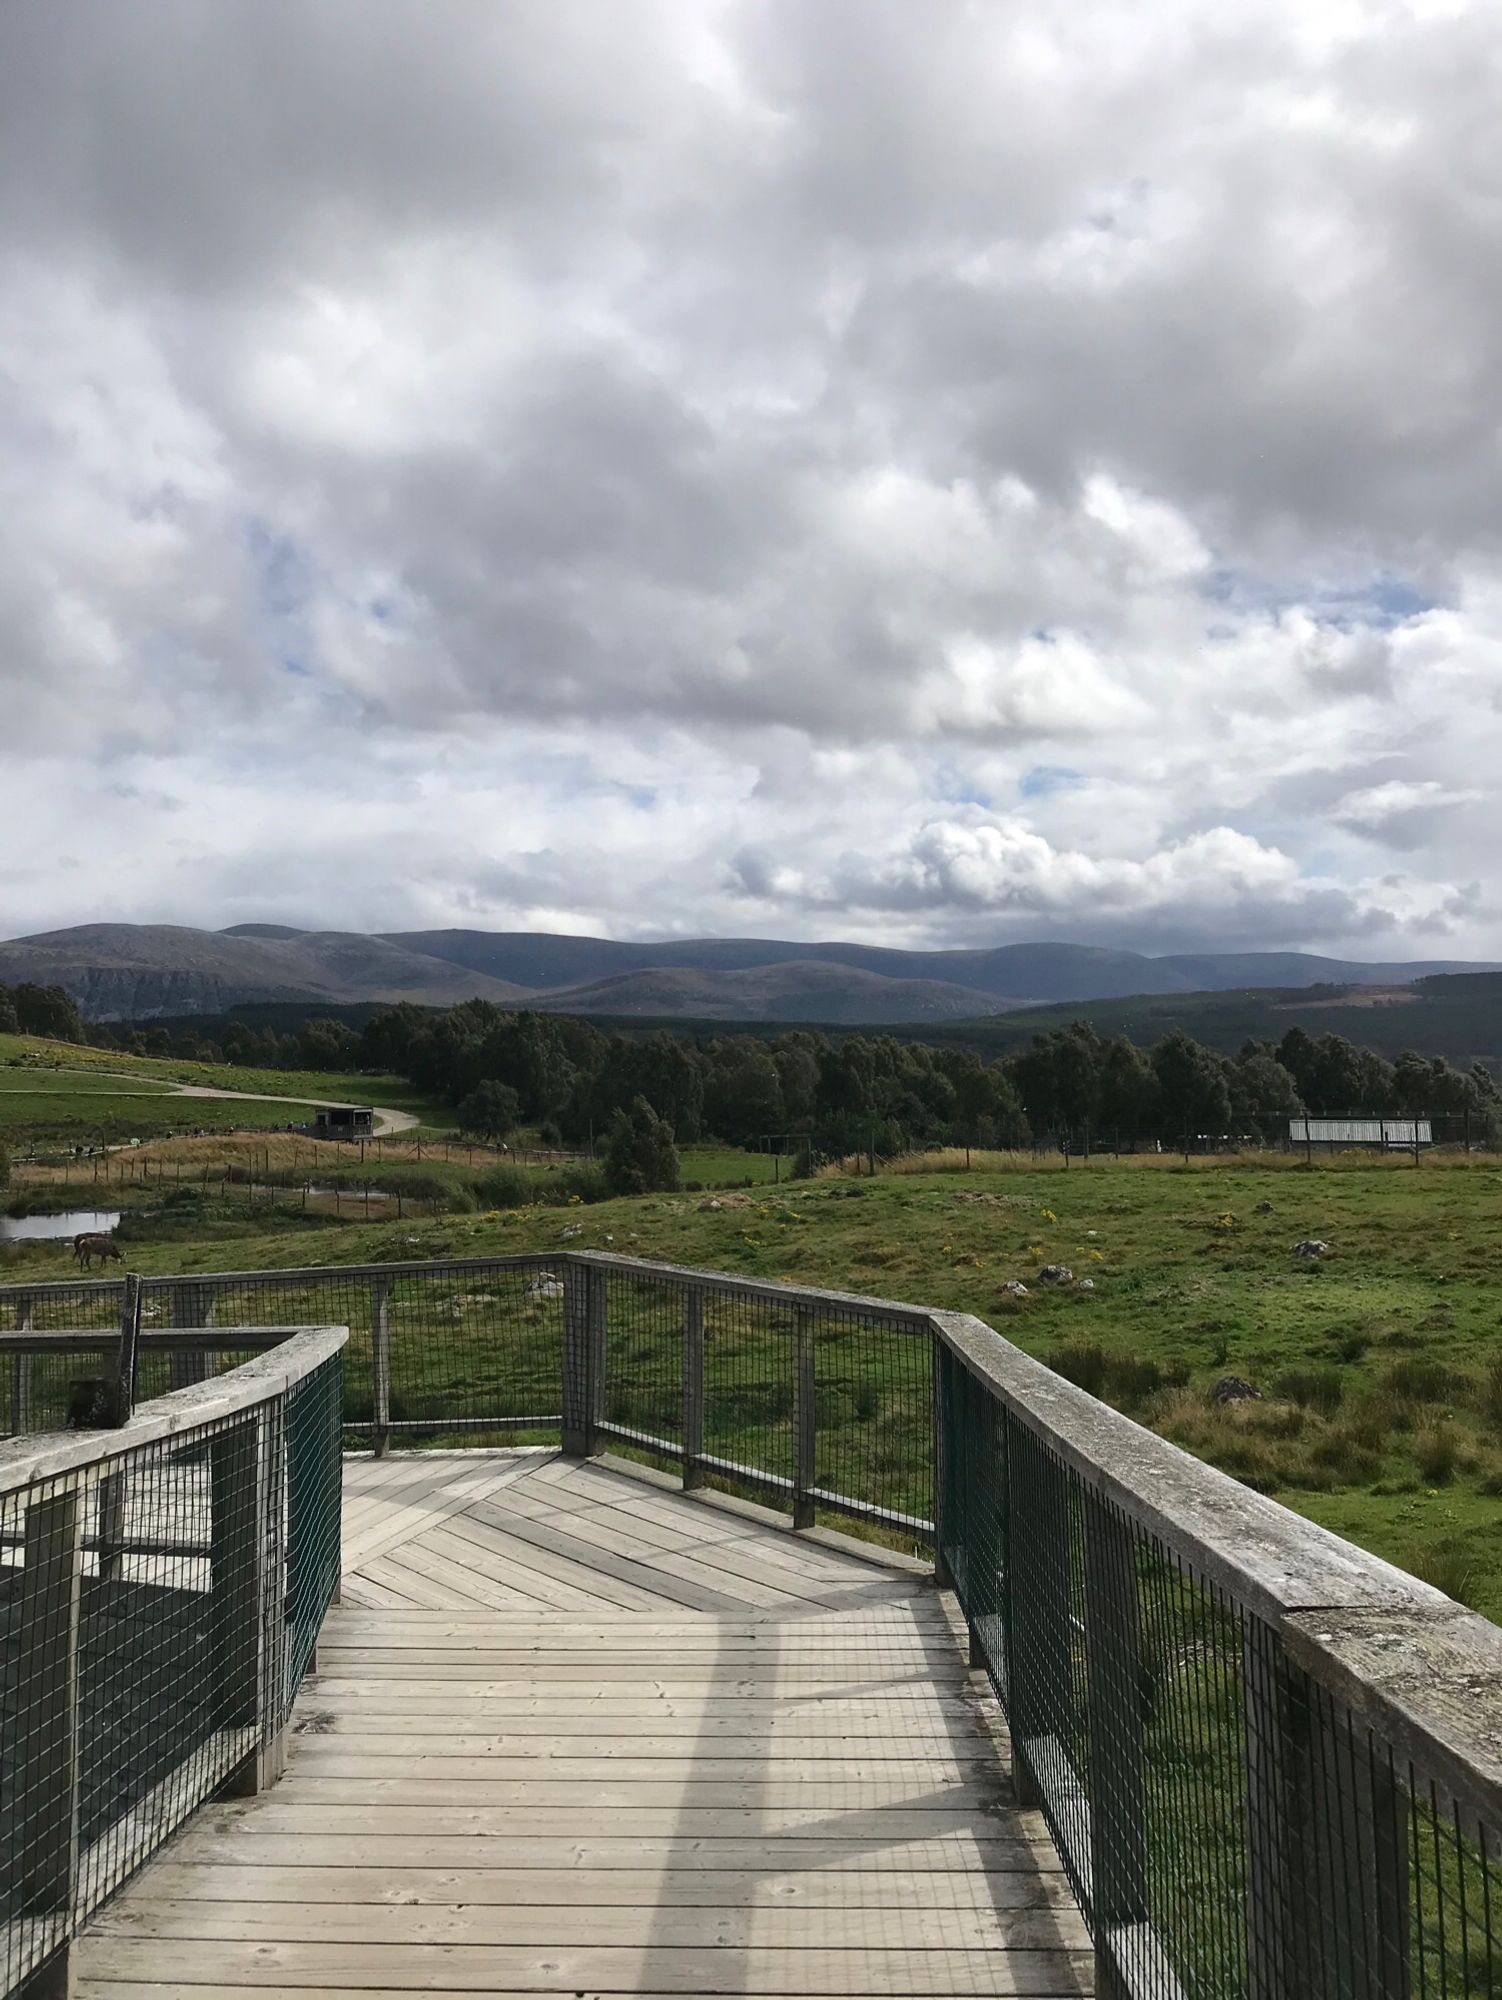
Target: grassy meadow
{"x": 1379, "y": 1363}
{"x": 58, "y": 1095}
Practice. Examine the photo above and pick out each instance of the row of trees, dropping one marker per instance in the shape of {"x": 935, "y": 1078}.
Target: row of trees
{"x": 40, "y": 1010}
{"x": 880, "y": 1093}
{"x": 875, "y": 1092}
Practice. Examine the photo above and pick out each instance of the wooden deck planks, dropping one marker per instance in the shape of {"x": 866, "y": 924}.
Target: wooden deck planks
{"x": 577, "y": 1734}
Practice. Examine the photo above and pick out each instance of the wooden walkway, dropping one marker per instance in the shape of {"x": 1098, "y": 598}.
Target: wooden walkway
{"x": 575, "y": 1733}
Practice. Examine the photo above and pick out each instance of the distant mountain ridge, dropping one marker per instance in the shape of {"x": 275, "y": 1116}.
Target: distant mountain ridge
{"x": 1020, "y": 974}
{"x": 146, "y": 971}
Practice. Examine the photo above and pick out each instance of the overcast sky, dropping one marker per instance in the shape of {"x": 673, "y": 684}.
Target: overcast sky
{"x": 932, "y": 473}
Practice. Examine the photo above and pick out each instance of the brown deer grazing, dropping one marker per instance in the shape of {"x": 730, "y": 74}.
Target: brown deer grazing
{"x": 93, "y": 1243}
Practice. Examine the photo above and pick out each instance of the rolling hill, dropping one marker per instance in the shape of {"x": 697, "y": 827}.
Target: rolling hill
{"x": 143, "y": 971}
{"x": 803, "y": 990}
{"x": 154, "y": 971}
{"x": 1020, "y": 974}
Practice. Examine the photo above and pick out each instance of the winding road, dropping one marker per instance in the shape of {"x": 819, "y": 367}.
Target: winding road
{"x": 387, "y": 1121}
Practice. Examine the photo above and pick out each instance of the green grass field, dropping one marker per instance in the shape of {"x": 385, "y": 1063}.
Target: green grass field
{"x": 728, "y": 1166}
{"x": 75, "y": 1095}
{"x": 1380, "y": 1364}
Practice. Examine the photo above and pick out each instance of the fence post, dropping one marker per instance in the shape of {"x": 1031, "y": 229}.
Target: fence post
{"x": 693, "y": 1388}
{"x": 1118, "y": 1818}
{"x": 380, "y": 1366}
{"x": 120, "y": 1374}
{"x": 805, "y": 1417}
{"x": 244, "y": 1574}
{"x": 21, "y": 1375}
{"x": 43, "y": 1801}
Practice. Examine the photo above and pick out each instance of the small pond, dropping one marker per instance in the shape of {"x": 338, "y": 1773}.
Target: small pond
{"x": 50, "y": 1228}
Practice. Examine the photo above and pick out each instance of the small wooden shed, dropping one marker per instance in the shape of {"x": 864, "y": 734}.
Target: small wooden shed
{"x": 343, "y": 1121}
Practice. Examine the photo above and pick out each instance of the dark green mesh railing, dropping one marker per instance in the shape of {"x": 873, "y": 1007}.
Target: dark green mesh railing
{"x": 160, "y": 1590}
{"x": 1270, "y": 1764}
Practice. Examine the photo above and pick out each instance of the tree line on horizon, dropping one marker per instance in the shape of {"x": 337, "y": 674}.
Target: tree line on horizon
{"x": 802, "y": 1089}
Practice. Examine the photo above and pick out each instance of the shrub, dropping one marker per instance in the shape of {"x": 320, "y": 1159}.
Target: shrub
{"x": 1314, "y": 1388}
{"x": 1375, "y": 1417}
{"x": 1131, "y": 1379}
{"x": 1436, "y": 1450}
{"x": 1448, "y": 1567}
{"x": 1120, "y": 1378}
{"x": 584, "y": 1179}
{"x": 640, "y": 1157}
{"x": 1082, "y": 1362}
{"x": 1420, "y": 1381}
{"x": 1491, "y": 1391}
{"x": 504, "y": 1187}
{"x": 1343, "y": 1454}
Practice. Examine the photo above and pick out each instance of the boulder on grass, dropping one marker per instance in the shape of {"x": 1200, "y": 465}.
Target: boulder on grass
{"x": 1056, "y": 1274}
{"x": 1310, "y": 1249}
{"x": 1233, "y": 1389}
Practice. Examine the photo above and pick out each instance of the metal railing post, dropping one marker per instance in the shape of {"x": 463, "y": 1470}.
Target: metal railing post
{"x": 693, "y": 1388}
{"x": 44, "y": 1791}
{"x": 1118, "y": 1804}
{"x": 805, "y": 1417}
{"x": 380, "y": 1366}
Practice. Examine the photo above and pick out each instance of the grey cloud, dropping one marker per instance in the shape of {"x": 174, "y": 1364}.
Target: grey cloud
{"x": 823, "y": 395}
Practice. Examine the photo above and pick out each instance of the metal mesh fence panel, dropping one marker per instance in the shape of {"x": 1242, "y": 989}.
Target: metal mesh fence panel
{"x": 158, "y": 1600}
{"x": 445, "y": 1352}
{"x": 873, "y": 1417}
{"x": 642, "y": 1400}
{"x": 1229, "y": 1825}
{"x": 749, "y": 1391}
{"x": 315, "y": 1488}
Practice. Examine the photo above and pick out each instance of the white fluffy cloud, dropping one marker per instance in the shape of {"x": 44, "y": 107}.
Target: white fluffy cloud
{"x": 664, "y": 469}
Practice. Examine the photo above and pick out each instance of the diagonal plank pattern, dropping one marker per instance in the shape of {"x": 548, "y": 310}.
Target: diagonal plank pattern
{"x": 573, "y": 1733}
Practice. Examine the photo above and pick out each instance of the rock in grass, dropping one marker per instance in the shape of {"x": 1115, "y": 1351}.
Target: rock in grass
{"x": 1087, "y": 1284}
{"x": 545, "y": 1286}
{"x": 1310, "y": 1248}
{"x": 1014, "y": 1289}
{"x": 1233, "y": 1389}
{"x": 1056, "y": 1274}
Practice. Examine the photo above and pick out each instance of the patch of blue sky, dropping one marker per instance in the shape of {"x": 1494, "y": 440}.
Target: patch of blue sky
{"x": 283, "y": 571}
{"x": 1381, "y": 601}
{"x": 1043, "y": 780}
